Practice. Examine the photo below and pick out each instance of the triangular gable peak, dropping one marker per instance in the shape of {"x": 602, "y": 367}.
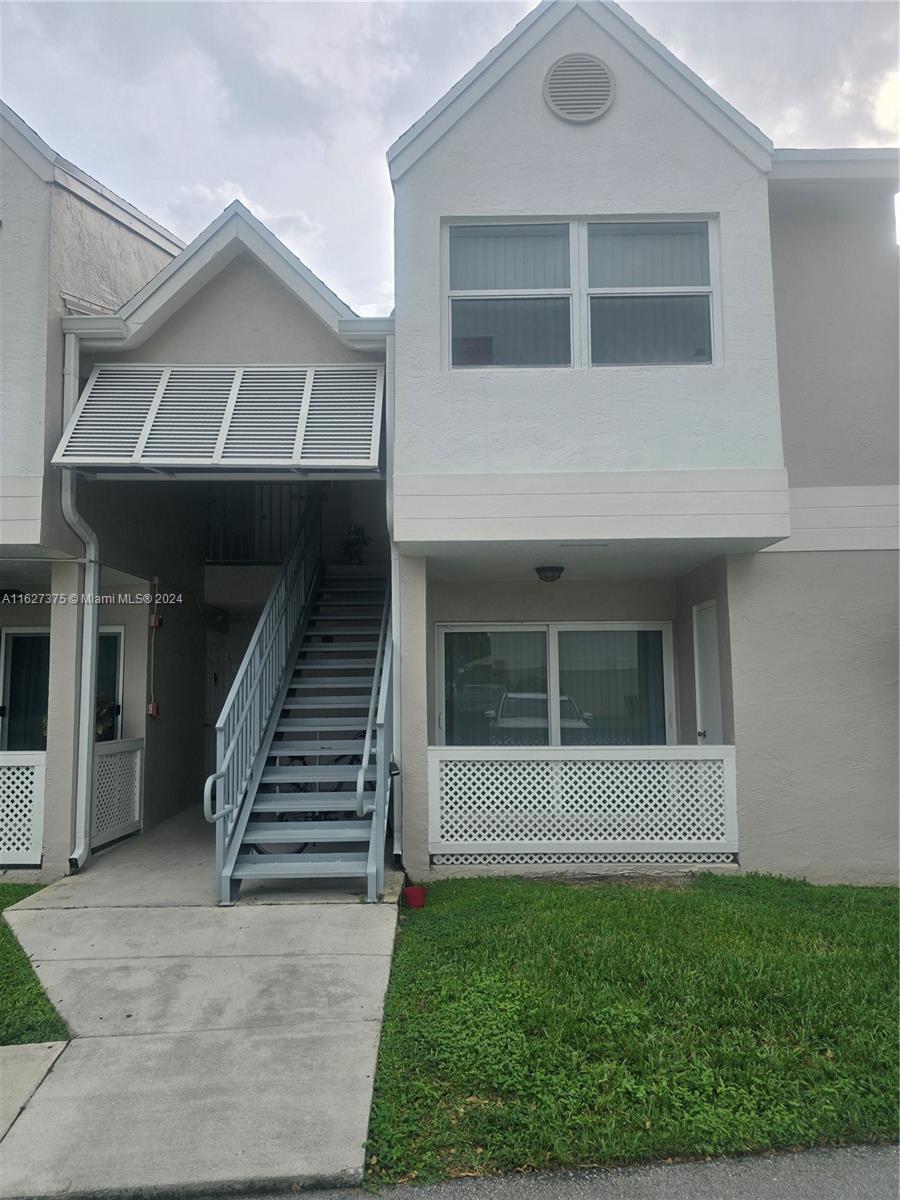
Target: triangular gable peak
{"x": 636, "y": 41}
{"x": 236, "y": 231}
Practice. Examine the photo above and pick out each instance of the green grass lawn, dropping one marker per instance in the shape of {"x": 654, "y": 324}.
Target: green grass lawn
{"x": 26, "y": 1015}
{"x": 535, "y": 1024}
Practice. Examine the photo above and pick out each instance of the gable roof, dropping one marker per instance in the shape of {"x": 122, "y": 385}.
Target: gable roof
{"x": 233, "y": 232}
{"x": 529, "y": 32}
{"x": 53, "y": 168}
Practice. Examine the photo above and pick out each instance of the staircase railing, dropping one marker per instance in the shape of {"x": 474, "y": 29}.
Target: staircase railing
{"x": 242, "y": 722}
{"x": 384, "y": 743}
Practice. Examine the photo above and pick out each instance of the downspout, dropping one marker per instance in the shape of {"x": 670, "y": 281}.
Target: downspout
{"x": 389, "y": 425}
{"x": 84, "y": 759}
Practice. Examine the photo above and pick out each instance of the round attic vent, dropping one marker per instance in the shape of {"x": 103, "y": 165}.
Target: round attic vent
{"x": 579, "y": 87}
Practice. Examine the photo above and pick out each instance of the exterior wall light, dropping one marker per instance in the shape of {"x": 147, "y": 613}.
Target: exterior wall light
{"x": 549, "y": 574}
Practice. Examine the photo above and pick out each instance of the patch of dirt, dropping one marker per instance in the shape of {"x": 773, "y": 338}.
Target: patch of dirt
{"x": 670, "y": 882}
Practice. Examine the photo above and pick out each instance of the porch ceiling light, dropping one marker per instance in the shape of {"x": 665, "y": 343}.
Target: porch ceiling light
{"x": 549, "y": 574}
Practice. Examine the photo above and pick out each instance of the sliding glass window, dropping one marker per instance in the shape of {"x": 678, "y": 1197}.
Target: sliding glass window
{"x": 557, "y": 685}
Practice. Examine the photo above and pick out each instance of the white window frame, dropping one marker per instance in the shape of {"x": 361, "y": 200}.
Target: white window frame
{"x": 119, "y": 724}
{"x": 8, "y": 631}
{"x": 513, "y": 294}
{"x": 579, "y": 292}
{"x": 552, "y": 629}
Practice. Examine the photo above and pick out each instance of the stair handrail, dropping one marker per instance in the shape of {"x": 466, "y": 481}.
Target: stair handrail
{"x": 242, "y": 722}
{"x": 384, "y": 722}
{"x": 373, "y": 708}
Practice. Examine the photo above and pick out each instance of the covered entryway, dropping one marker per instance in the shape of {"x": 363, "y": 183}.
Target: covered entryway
{"x": 225, "y": 431}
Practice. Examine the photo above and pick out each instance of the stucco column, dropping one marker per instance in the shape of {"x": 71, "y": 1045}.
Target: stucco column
{"x": 414, "y": 712}
{"x": 62, "y": 720}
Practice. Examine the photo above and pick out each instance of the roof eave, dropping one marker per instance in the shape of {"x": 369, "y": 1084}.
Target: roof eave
{"x": 366, "y": 333}
{"x": 837, "y": 164}
{"x": 53, "y": 168}
{"x": 233, "y": 231}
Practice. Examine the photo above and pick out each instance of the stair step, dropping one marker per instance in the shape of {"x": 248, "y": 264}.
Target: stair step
{"x": 338, "y": 647}
{"x": 371, "y": 584}
{"x": 319, "y": 746}
{"x": 329, "y": 702}
{"x": 331, "y": 774}
{"x": 341, "y": 865}
{"x": 334, "y": 682}
{"x": 296, "y": 724}
{"x": 307, "y": 802}
{"x": 308, "y": 831}
{"x": 354, "y": 629}
{"x": 345, "y": 602}
{"x": 331, "y": 664}
{"x": 375, "y": 617}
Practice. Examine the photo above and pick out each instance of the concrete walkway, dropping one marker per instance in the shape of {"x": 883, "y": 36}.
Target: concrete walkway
{"x": 214, "y": 1050}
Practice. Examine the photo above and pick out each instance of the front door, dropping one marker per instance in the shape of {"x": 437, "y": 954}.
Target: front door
{"x": 706, "y": 674}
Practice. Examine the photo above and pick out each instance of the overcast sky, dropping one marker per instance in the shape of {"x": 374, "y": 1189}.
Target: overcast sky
{"x": 181, "y": 107}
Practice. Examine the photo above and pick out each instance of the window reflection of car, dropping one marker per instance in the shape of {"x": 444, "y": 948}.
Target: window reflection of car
{"x": 519, "y": 713}
{"x": 476, "y": 697}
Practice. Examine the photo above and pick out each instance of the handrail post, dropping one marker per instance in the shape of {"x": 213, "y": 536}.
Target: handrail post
{"x": 373, "y": 708}
{"x": 383, "y": 727}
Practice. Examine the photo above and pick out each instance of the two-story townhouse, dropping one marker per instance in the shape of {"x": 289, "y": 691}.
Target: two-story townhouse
{"x": 644, "y": 472}
{"x": 625, "y": 454}
{"x": 67, "y": 244}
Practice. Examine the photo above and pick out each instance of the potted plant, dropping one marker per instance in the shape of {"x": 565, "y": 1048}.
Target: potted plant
{"x": 354, "y": 544}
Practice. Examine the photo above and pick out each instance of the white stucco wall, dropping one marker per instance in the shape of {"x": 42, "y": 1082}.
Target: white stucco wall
{"x": 24, "y": 258}
{"x": 835, "y": 262}
{"x": 510, "y": 157}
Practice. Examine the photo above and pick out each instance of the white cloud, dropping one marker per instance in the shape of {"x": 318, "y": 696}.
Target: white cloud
{"x": 197, "y": 204}
{"x": 886, "y": 104}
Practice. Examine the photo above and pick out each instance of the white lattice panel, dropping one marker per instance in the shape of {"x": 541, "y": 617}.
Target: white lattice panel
{"x": 622, "y": 800}
{"x": 118, "y": 781}
{"x": 21, "y": 808}
{"x": 638, "y": 859}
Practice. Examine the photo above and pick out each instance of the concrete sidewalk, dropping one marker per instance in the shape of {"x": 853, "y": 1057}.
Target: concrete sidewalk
{"x": 214, "y": 1049}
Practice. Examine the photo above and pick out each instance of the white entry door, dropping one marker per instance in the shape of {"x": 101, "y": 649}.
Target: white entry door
{"x": 706, "y": 674}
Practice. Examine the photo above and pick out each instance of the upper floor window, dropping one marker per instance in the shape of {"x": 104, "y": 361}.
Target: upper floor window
{"x": 649, "y": 292}
{"x": 584, "y": 292}
{"x": 511, "y": 299}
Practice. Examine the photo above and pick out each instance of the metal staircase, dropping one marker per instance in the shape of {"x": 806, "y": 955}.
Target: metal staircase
{"x": 310, "y": 798}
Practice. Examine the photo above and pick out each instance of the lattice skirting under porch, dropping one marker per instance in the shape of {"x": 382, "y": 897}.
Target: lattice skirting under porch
{"x": 529, "y": 860}
{"x": 657, "y": 805}
{"x": 21, "y": 808}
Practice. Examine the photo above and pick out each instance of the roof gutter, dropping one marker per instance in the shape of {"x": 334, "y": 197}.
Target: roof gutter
{"x": 84, "y": 755}
{"x": 365, "y": 333}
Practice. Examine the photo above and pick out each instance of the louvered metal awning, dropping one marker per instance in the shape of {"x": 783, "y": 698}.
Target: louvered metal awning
{"x": 302, "y": 417}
